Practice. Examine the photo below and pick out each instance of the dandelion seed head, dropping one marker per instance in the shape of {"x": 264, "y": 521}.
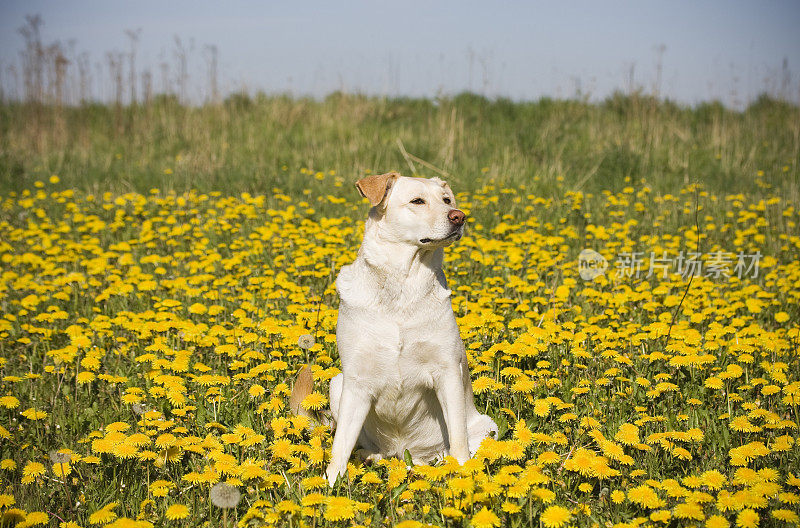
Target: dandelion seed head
{"x": 223, "y": 495}
{"x": 59, "y": 457}
{"x": 306, "y": 341}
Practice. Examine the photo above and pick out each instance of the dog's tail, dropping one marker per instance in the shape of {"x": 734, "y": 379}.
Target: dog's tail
{"x": 303, "y": 386}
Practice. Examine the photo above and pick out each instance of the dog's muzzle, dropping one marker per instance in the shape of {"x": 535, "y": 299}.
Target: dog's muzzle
{"x": 457, "y": 219}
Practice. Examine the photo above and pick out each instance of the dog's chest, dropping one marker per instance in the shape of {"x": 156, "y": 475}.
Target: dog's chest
{"x": 396, "y": 338}
{"x": 402, "y": 297}
{"x": 409, "y": 376}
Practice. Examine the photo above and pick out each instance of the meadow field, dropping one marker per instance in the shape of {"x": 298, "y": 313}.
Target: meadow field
{"x": 163, "y": 267}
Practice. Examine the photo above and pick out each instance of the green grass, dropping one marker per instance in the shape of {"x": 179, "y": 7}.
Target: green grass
{"x": 251, "y": 144}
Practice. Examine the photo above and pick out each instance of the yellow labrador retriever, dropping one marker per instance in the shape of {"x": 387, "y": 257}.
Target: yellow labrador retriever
{"x": 404, "y": 382}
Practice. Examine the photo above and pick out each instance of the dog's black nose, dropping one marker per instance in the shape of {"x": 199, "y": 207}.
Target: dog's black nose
{"x": 456, "y": 217}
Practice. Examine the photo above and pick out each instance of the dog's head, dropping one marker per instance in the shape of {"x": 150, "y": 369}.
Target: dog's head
{"x": 416, "y": 211}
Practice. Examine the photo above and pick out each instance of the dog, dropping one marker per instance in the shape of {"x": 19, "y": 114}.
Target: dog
{"x": 405, "y": 383}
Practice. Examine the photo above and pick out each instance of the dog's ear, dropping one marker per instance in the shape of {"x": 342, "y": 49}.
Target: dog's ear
{"x": 444, "y": 184}
{"x": 375, "y": 188}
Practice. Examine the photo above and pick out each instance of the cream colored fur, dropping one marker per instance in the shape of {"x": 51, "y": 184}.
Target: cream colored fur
{"x": 405, "y": 383}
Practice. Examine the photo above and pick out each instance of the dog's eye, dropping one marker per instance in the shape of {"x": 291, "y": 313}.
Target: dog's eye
{"x": 447, "y": 200}
{"x": 418, "y": 201}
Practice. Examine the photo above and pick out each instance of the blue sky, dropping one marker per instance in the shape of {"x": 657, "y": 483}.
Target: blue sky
{"x": 713, "y": 49}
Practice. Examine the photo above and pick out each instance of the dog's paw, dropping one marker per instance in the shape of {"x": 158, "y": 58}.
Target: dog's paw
{"x": 332, "y": 474}
{"x": 481, "y": 427}
{"x": 460, "y": 453}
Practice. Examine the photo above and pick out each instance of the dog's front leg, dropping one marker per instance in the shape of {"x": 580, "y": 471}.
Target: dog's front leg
{"x": 353, "y": 408}
{"x": 450, "y": 392}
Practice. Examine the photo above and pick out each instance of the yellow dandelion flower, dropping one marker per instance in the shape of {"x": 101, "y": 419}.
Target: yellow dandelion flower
{"x": 717, "y": 521}
{"x": 769, "y": 475}
{"x": 419, "y": 485}
{"x": 483, "y": 384}
{"x": 313, "y": 499}
{"x": 84, "y": 377}
{"x": 689, "y": 510}
{"x": 275, "y": 404}
{"x": 452, "y": 513}
{"x": 543, "y": 494}
{"x": 523, "y": 385}
{"x": 36, "y": 518}
{"x": 461, "y": 486}
{"x": 282, "y": 448}
{"x": 339, "y": 509}
{"x": 681, "y": 453}
{"x": 256, "y": 391}
{"x": 747, "y": 518}
{"x": 314, "y": 400}
{"x": 31, "y": 471}
{"x": 62, "y": 469}
{"x": 548, "y": 458}
{"x": 124, "y": 450}
{"x": 568, "y": 417}
{"x": 789, "y": 498}
{"x": 485, "y": 518}
{"x": 741, "y": 423}
{"x": 176, "y": 512}
{"x": 370, "y": 477}
{"x": 197, "y": 309}
{"x": 555, "y": 516}
{"x": 409, "y": 523}
{"x": 726, "y": 501}
{"x": 522, "y": 434}
{"x": 125, "y": 522}
{"x": 9, "y": 402}
{"x": 787, "y": 516}
{"x": 33, "y": 414}
{"x": 117, "y": 427}
{"x": 628, "y": 434}
{"x": 165, "y": 440}
{"x": 104, "y": 515}
{"x": 541, "y": 407}
{"x": 231, "y": 438}
{"x": 645, "y": 496}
